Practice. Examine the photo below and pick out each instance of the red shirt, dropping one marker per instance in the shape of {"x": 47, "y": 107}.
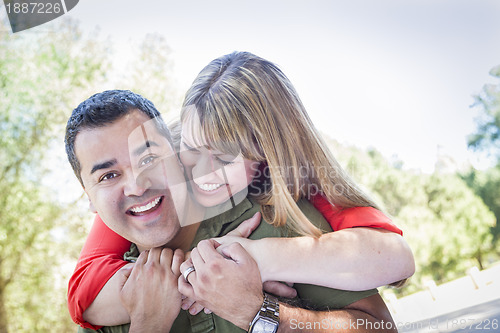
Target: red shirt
{"x": 102, "y": 254}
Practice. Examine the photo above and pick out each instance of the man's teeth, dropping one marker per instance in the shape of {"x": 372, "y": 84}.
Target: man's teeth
{"x": 146, "y": 207}
{"x": 209, "y": 187}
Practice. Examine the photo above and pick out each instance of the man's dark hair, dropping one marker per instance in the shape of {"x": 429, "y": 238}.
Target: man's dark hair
{"x": 103, "y": 109}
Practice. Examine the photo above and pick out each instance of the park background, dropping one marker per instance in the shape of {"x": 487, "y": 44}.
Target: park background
{"x": 407, "y": 93}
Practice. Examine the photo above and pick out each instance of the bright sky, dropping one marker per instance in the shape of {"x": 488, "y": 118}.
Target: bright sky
{"x": 395, "y": 75}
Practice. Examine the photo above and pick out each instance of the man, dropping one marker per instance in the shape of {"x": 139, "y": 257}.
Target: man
{"x": 120, "y": 150}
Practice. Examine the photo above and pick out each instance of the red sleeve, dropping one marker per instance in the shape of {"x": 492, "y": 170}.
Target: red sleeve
{"x": 353, "y": 217}
{"x": 101, "y": 257}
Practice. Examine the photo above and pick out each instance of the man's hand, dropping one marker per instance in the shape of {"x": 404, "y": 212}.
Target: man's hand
{"x": 150, "y": 293}
{"x": 238, "y": 235}
{"x": 227, "y": 284}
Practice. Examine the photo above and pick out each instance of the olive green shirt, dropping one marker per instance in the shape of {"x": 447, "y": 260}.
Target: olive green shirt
{"x": 310, "y": 296}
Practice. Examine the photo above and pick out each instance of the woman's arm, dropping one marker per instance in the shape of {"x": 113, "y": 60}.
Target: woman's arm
{"x": 353, "y": 258}
{"x": 100, "y": 259}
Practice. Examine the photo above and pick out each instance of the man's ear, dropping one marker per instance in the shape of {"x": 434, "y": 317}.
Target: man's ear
{"x": 91, "y": 207}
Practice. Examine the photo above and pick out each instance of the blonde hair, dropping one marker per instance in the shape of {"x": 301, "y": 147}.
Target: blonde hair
{"x": 247, "y": 101}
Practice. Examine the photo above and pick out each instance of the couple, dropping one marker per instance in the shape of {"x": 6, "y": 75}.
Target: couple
{"x": 246, "y": 145}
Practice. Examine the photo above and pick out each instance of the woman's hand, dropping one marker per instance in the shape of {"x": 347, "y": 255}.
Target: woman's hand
{"x": 240, "y": 235}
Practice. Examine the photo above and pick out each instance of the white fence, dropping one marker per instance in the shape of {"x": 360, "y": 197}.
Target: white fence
{"x": 476, "y": 288}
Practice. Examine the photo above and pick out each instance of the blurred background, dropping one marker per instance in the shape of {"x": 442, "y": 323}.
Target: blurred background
{"x": 406, "y": 93}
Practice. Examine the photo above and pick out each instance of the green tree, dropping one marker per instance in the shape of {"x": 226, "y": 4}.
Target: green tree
{"x": 42, "y": 77}
{"x": 487, "y": 137}
{"x": 446, "y": 224}
{"x": 486, "y": 183}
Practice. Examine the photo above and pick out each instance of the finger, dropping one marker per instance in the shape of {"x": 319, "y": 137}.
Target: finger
{"x": 279, "y": 289}
{"x": 236, "y": 252}
{"x": 186, "y": 264}
{"x": 185, "y": 288}
{"x": 207, "y": 311}
{"x": 124, "y": 274}
{"x": 187, "y": 303}
{"x": 143, "y": 257}
{"x": 195, "y": 309}
{"x": 176, "y": 262}
{"x": 207, "y": 249}
{"x": 166, "y": 257}
{"x": 154, "y": 255}
{"x": 198, "y": 261}
{"x": 246, "y": 228}
{"x": 126, "y": 270}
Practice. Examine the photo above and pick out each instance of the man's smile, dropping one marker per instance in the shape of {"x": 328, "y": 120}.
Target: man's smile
{"x": 145, "y": 208}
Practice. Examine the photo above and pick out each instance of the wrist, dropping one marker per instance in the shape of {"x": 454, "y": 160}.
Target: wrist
{"x": 250, "y": 312}
{"x": 144, "y": 325}
{"x": 267, "y": 320}
{"x": 260, "y": 250}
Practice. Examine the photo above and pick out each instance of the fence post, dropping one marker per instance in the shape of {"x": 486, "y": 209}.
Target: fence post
{"x": 392, "y": 300}
{"x": 473, "y": 272}
{"x": 432, "y": 288}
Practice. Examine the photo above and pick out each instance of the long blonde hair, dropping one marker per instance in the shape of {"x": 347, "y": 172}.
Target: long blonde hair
{"x": 244, "y": 100}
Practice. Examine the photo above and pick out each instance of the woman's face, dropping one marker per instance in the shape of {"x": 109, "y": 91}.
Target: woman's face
{"x": 214, "y": 176}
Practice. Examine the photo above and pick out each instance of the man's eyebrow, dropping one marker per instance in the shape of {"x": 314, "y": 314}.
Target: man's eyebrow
{"x": 105, "y": 165}
{"x": 145, "y": 146}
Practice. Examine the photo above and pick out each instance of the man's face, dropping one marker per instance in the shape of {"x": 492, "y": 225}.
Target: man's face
{"x": 131, "y": 176}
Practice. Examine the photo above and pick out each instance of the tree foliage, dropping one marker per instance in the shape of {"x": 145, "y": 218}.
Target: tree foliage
{"x": 42, "y": 75}
{"x": 486, "y": 183}
{"x": 446, "y": 224}
{"x": 487, "y": 136}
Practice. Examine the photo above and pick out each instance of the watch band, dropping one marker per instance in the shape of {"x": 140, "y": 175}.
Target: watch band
{"x": 269, "y": 310}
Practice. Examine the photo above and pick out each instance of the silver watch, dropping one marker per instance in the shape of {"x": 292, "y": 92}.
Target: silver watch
{"x": 267, "y": 319}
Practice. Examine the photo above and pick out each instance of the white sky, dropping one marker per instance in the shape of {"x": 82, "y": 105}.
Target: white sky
{"x": 394, "y": 75}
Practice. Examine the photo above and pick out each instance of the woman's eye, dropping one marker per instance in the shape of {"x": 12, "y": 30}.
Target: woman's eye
{"x": 108, "y": 176}
{"x": 189, "y": 148}
{"x": 224, "y": 162}
{"x": 147, "y": 160}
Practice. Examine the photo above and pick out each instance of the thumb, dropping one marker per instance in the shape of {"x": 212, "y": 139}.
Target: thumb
{"x": 246, "y": 228}
{"x": 236, "y": 252}
{"x": 124, "y": 274}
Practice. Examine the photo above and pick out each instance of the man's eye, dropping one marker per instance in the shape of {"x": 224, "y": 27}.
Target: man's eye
{"x": 147, "y": 160}
{"x": 108, "y": 176}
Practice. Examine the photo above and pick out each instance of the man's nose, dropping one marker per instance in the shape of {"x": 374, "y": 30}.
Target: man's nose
{"x": 136, "y": 184}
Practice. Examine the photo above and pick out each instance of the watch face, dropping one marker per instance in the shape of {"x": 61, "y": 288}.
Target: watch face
{"x": 265, "y": 326}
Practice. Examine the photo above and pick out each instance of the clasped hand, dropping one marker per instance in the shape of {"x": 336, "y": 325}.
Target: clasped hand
{"x": 226, "y": 281}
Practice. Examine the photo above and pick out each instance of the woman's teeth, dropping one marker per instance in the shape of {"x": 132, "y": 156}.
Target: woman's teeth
{"x": 209, "y": 187}
{"x": 146, "y": 207}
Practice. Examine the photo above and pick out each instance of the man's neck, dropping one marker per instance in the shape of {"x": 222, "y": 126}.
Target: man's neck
{"x": 184, "y": 237}
{"x": 192, "y": 217}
